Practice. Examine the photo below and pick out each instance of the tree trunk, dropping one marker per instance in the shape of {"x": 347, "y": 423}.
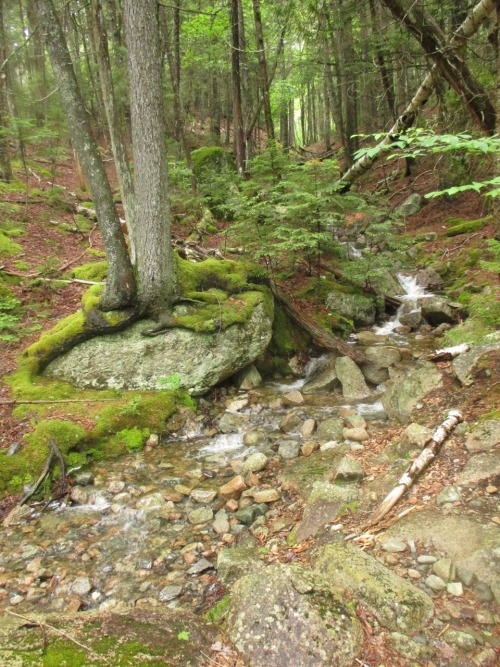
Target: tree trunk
{"x": 239, "y": 135}
{"x": 155, "y": 261}
{"x": 120, "y": 286}
{"x": 387, "y": 84}
{"x": 449, "y": 65}
{"x": 5, "y": 167}
{"x": 471, "y": 25}
{"x": 114, "y": 121}
{"x": 263, "y": 78}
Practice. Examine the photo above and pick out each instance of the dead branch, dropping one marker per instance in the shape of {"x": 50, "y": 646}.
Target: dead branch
{"x": 39, "y": 481}
{"x": 319, "y": 335}
{"x": 425, "y": 457}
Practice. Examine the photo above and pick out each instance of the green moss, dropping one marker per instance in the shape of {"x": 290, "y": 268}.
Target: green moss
{"x": 470, "y": 331}
{"x": 131, "y": 439}
{"x": 95, "y": 271}
{"x": 64, "y": 654}
{"x": 225, "y": 275}
{"x": 219, "y": 610}
{"x": 8, "y": 248}
{"x": 466, "y": 226}
{"x": 212, "y": 158}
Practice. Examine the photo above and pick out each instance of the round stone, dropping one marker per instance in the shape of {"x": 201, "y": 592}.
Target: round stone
{"x": 201, "y": 515}
{"x": 435, "y": 583}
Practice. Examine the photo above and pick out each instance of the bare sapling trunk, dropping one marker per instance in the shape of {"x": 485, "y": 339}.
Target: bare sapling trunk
{"x": 119, "y": 292}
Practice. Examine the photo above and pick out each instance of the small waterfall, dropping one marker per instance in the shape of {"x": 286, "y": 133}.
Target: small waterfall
{"x": 311, "y": 367}
{"x": 409, "y": 302}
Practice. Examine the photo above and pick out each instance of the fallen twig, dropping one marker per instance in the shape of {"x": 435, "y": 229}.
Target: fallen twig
{"x": 427, "y": 455}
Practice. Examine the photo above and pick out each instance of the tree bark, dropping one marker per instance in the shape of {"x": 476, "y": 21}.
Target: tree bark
{"x": 120, "y": 287}
{"x": 114, "y": 121}
{"x": 239, "y": 135}
{"x": 449, "y": 65}
{"x": 5, "y": 166}
{"x": 263, "y": 78}
{"x": 471, "y": 25}
{"x": 155, "y": 261}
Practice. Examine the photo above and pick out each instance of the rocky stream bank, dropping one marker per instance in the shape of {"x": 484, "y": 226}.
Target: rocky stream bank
{"x": 237, "y": 539}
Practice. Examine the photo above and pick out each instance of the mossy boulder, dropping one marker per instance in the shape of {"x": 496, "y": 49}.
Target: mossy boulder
{"x": 285, "y": 615}
{"x": 407, "y": 388}
{"x": 356, "y": 307}
{"x": 211, "y": 158}
{"x": 167, "y": 638}
{"x": 397, "y": 604}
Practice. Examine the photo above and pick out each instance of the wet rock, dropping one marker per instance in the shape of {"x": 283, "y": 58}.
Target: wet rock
{"x": 221, "y": 523}
{"x": 437, "y": 310}
{"x": 479, "y": 468}
{"x": 81, "y": 586}
{"x": 459, "y": 639}
{"x": 309, "y": 447}
{"x": 485, "y": 658}
{"x": 349, "y": 470}
{"x": 448, "y": 495}
{"x": 233, "y": 489}
{"x": 254, "y": 438}
{"x": 356, "y": 307}
{"x": 200, "y": 566}
{"x": 429, "y": 279}
{"x": 169, "y": 593}
{"x": 330, "y": 429}
{"x": 465, "y": 364}
{"x": 248, "y": 378}
{"x": 84, "y": 478}
{"x": 116, "y": 486}
{"x": 151, "y": 502}
{"x": 411, "y": 319}
{"x": 324, "y": 379}
{"x": 230, "y": 422}
{"x": 284, "y": 615}
{"x": 351, "y": 378}
{"x": 308, "y": 428}
{"x": 246, "y": 515}
{"x": 239, "y": 404}
{"x": 323, "y": 506}
{"x": 234, "y": 563}
{"x": 359, "y": 434}
{"x": 79, "y": 495}
{"x": 293, "y": 398}
{"x": 292, "y": 421}
{"x": 355, "y": 421}
{"x": 407, "y": 389}
{"x": 266, "y": 496}
{"x": 201, "y": 515}
{"x": 255, "y": 462}
{"x": 485, "y": 436}
{"x": 379, "y": 359}
{"x": 289, "y": 449}
{"x": 369, "y": 337}
{"x": 205, "y": 496}
{"x": 396, "y": 603}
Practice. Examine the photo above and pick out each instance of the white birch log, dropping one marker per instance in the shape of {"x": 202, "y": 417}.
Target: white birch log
{"x": 448, "y": 353}
{"x": 417, "y": 466}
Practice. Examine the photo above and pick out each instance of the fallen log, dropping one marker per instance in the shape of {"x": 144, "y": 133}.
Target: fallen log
{"x": 319, "y": 335}
{"x": 425, "y": 457}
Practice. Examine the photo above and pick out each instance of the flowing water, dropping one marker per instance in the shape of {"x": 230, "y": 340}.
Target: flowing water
{"x": 412, "y": 292}
{"x": 129, "y": 537}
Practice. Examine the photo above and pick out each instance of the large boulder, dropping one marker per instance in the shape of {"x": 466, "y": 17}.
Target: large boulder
{"x": 406, "y": 389}
{"x": 360, "y": 309}
{"x": 411, "y": 205}
{"x": 324, "y": 505}
{"x": 324, "y": 378}
{"x": 191, "y": 360}
{"x": 397, "y": 604}
{"x": 467, "y": 363}
{"x": 284, "y": 615}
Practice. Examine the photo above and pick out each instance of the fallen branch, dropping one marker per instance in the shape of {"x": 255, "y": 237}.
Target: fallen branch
{"x": 39, "y": 481}
{"x": 425, "y": 457}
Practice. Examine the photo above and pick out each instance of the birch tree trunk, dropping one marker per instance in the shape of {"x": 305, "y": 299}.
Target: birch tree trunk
{"x": 119, "y": 292}
{"x": 470, "y": 26}
{"x": 155, "y": 261}
{"x": 239, "y": 135}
